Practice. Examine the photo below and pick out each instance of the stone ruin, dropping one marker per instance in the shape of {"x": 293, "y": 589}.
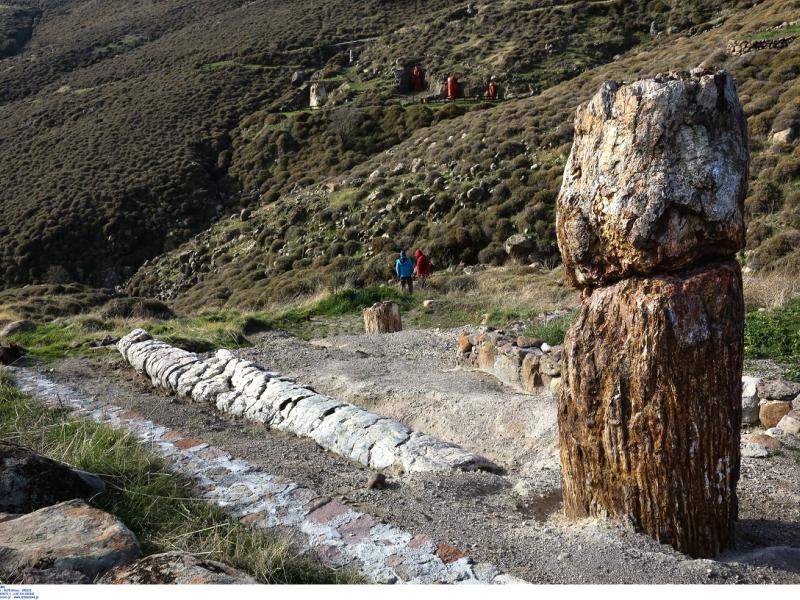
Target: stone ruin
{"x": 650, "y": 216}
{"x": 526, "y": 364}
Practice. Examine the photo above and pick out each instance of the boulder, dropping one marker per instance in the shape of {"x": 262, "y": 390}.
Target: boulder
{"x": 750, "y": 400}
{"x": 17, "y": 327}
{"x": 477, "y": 194}
{"x": 177, "y": 568}
{"x": 464, "y": 343}
{"x": 790, "y": 423}
{"x": 71, "y": 536}
{"x": 771, "y": 412}
{"x": 651, "y": 383}
{"x": 778, "y": 389}
{"x": 29, "y": 481}
{"x": 519, "y": 248}
{"x": 760, "y": 446}
{"x": 11, "y": 354}
{"x": 783, "y": 137}
{"x": 656, "y": 178}
{"x": 524, "y": 341}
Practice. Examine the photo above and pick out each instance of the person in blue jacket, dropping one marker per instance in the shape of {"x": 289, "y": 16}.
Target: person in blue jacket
{"x": 404, "y": 267}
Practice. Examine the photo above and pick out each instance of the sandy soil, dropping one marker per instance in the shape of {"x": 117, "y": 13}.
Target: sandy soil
{"x": 511, "y": 520}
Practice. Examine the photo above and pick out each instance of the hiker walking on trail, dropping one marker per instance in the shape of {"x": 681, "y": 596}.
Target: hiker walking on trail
{"x": 404, "y": 267}
{"x": 423, "y": 268}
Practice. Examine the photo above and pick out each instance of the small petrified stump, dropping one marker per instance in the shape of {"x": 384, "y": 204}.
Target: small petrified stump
{"x": 649, "y": 218}
{"x": 382, "y": 317}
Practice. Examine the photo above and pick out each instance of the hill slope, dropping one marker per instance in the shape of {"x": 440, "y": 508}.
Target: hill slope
{"x": 127, "y": 128}
{"x": 417, "y": 193}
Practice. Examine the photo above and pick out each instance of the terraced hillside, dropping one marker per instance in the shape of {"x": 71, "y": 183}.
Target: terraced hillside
{"x": 127, "y": 128}
{"x": 460, "y": 187}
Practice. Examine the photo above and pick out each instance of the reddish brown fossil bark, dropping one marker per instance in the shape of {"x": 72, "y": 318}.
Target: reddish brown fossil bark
{"x": 650, "y": 406}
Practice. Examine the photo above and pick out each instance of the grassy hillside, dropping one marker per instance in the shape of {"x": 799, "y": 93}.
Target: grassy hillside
{"x": 126, "y": 128}
{"x": 417, "y": 193}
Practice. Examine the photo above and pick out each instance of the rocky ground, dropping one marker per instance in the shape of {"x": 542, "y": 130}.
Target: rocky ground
{"x": 511, "y": 520}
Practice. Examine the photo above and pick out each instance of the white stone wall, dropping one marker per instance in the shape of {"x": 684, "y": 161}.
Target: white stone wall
{"x": 243, "y": 389}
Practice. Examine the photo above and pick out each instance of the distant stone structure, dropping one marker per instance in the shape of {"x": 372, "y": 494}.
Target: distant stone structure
{"x": 650, "y": 215}
{"x": 383, "y": 317}
{"x": 317, "y": 95}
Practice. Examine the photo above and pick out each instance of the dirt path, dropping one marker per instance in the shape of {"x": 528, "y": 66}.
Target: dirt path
{"x": 408, "y": 376}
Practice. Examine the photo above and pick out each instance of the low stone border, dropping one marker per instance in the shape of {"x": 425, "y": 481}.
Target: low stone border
{"x": 339, "y": 535}
{"x": 243, "y": 389}
{"x": 525, "y": 364}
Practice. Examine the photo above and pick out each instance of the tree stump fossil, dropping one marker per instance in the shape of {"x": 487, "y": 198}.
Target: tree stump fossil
{"x": 649, "y": 218}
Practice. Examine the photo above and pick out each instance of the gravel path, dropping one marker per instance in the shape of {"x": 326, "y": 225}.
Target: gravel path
{"x": 512, "y": 521}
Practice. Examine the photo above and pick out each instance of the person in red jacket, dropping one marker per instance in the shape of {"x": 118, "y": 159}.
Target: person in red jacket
{"x": 423, "y": 268}
{"x": 453, "y": 88}
{"x": 492, "y": 89}
{"x": 418, "y": 78}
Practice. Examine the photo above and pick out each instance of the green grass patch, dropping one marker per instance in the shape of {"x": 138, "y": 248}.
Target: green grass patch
{"x": 554, "y": 331}
{"x": 773, "y": 34}
{"x": 775, "y": 334}
{"x": 156, "y": 504}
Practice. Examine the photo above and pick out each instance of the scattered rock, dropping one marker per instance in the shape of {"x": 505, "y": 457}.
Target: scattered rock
{"x": 760, "y": 446}
{"x": 17, "y": 327}
{"x": 177, "y": 568}
{"x": 750, "y": 400}
{"x": 771, "y": 412}
{"x": 377, "y": 481}
{"x": 29, "y": 481}
{"x": 477, "y": 194}
{"x": 529, "y": 342}
{"x": 783, "y": 137}
{"x": 778, "y": 389}
{"x": 69, "y": 536}
{"x": 464, "y": 343}
{"x": 317, "y": 95}
{"x": 519, "y": 248}
{"x": 790, "y": 423}
{"x": 428, "y": 303}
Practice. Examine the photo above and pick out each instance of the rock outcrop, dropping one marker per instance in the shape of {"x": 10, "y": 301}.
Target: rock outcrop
{"x": 649, "y": 218}
{"x": 66, "y": 537}
{"x": 243, "y": 389}
{"x": 176, "y": 568}
{"x": 29, "y": 481}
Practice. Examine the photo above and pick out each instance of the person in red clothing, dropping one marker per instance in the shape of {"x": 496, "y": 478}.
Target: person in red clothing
{"x": 492, "y": 89}
{"x": 418, "y": 78}
{"x": 453, "y": 88}
{"x": 423, "y": 268}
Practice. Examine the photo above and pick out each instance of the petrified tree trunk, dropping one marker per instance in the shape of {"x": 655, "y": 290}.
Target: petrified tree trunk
{"x": 382, "y": 317}
{"x": 651, "y": 395}
{"x": 649, "y": 218}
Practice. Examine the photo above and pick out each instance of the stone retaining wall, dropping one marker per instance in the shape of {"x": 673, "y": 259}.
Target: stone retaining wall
{"x": 739, "y": 47}
{"x": 525, "y": 364}
{"x": 243, "y": 389}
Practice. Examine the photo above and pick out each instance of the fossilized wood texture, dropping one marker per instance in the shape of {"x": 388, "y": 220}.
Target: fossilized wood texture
{"x": 383, "y": 317}
{"x": 656, "y": 179}
{"x": 650, "y": 406}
